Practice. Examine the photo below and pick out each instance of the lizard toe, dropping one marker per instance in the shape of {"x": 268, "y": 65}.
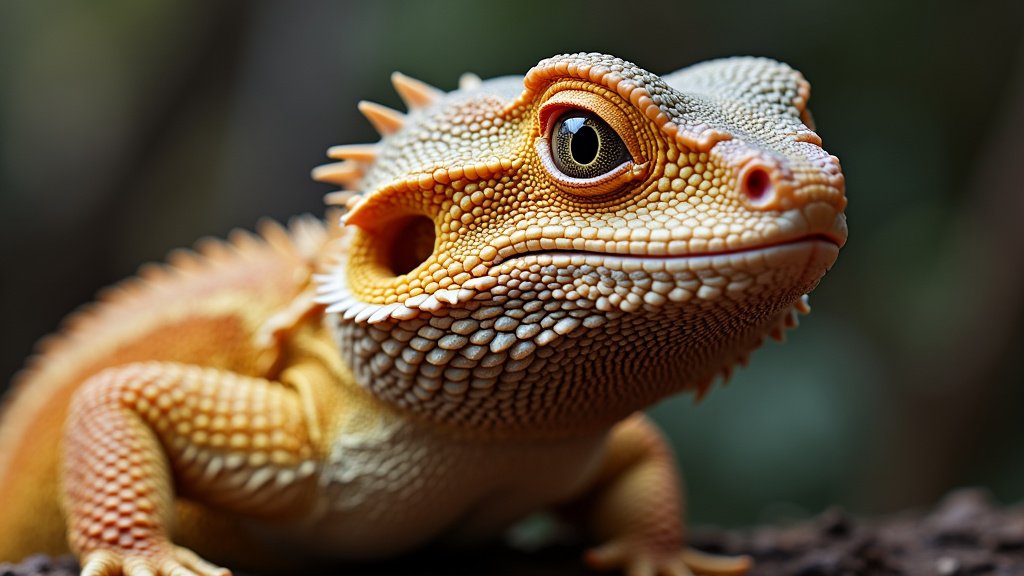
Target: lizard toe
{"x": 636, "y": 559}
{"x": 177, "y": 562}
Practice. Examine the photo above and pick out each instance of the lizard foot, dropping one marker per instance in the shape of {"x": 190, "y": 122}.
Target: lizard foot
{"x": 637, "y": 559}
{"x": 177, "y": 562}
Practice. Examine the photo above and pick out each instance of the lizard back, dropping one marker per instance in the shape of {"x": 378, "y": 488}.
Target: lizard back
{"x": 204, "y": 306}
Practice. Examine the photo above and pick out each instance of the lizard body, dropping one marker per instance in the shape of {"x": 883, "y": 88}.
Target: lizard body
{"x": 526, "y": 262}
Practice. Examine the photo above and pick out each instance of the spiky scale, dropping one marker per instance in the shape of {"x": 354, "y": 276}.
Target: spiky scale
{"x": 366, "y": 153}
{"x": 386, "y": 121}
{"x": 415, "y": 93}
{"x": 340, "y": 173}
{"x": 469, "y": 81}
{"x": 340, "y": 197}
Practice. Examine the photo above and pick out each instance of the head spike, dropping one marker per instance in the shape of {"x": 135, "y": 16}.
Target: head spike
{"x": 366, "y": 153}
{"x": 340, "y": 197}
{"x": 414, "y": 93}
{"x": 469, "y": 81}
{"x": 385, "y": 120}
{"x": 357, "y": 214}
{"x": 339, "y": 173}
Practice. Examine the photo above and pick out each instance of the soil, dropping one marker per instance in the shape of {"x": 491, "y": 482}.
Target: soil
{"x": 966, "y": 534}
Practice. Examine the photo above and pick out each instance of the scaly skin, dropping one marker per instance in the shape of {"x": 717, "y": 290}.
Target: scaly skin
{"x": 474, "y": 346}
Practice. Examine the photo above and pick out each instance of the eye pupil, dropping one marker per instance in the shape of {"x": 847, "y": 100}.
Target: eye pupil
{"x": 585, "y": 146}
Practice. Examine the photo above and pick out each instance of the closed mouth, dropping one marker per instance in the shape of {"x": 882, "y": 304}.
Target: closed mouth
{"x": 597, "y": 258}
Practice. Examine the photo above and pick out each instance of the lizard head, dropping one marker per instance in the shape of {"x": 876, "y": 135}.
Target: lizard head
{"x": 555, "y": 251}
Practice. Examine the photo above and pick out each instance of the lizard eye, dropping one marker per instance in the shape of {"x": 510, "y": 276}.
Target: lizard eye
{"x": 588, "y": 144}
{"x": 585, "y": 146}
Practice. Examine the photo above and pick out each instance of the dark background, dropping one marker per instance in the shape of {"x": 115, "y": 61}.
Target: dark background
{"x": 128, "y": 128}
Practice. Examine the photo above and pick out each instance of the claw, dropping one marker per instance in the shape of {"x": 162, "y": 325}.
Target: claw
{"x": 715, "y": 565}
{"x": 100, "y": 563}
{"x": 607, "y": 556}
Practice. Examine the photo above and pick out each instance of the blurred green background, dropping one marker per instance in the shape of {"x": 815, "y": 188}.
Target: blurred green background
{"x": 128, "y": 128}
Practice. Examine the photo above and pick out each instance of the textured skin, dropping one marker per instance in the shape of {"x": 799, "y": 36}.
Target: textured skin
{"x": 471, "y": 347}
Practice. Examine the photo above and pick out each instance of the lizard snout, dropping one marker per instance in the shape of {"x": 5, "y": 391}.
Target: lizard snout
{"x": 768, "y": 180}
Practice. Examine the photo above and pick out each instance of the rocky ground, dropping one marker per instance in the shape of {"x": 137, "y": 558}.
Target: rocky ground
{"x": 965, "y": 535}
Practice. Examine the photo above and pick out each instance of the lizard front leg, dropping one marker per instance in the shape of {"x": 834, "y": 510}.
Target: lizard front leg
{"x": 637, "y": 510}
{"x": 138, "y": 432}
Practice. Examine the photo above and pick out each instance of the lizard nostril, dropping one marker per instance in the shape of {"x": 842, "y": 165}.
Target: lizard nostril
{"x": 757, "y": 185}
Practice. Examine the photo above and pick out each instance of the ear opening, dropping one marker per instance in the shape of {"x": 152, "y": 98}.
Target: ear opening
{"x": 407, "y": 242}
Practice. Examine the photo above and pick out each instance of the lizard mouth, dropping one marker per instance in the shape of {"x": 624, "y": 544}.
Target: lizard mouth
{"x": 609, "y": 282}
{"x": 780, "y": 271}
{"x": 606, "y": 279}
{"x": 816, "y": 222}
{"x": 654, "y": 262}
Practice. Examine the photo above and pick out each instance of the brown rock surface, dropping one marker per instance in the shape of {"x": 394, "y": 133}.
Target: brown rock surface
{"x": 964, "y": 535}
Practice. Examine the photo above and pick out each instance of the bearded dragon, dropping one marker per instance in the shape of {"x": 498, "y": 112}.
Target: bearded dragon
{"x": 516, "y": 269}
